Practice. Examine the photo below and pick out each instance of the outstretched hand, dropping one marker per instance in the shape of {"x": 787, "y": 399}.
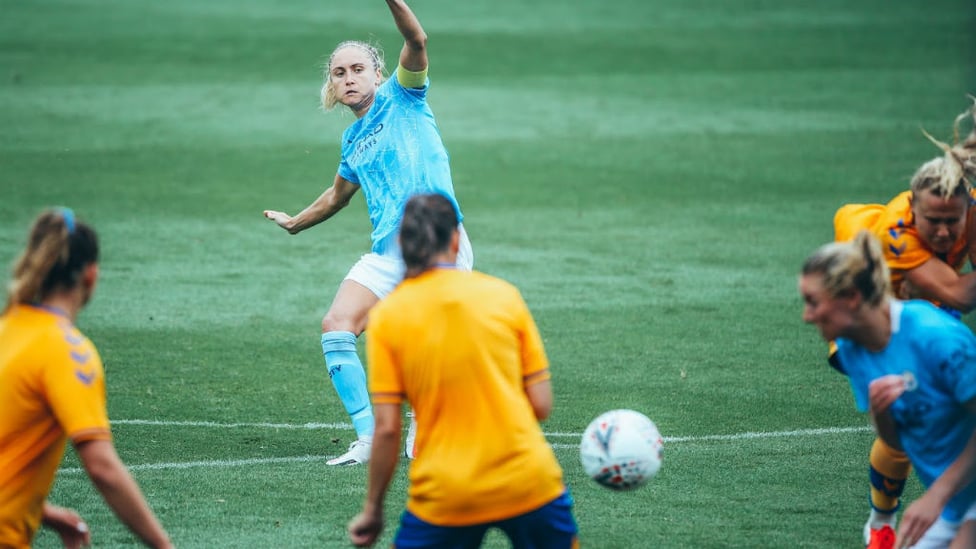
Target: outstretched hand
{"x": 282, "y": 219}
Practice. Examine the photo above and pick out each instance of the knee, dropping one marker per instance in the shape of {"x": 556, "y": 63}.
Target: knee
{"x": 336, "y": 323}
{"x": 331, "y": 324}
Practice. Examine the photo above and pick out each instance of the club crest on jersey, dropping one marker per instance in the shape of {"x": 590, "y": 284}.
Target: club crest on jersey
{"x": 910, "y": 382}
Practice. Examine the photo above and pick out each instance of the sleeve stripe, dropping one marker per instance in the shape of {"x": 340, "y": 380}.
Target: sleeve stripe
{"x": 541, "y": 375}
{"x": 94, "y": 433}
{"x": 389, "y": 398}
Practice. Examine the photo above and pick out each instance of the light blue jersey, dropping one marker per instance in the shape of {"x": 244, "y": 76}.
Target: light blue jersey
{"x": 394, "y": 152}
{"x": 937, "y": 356}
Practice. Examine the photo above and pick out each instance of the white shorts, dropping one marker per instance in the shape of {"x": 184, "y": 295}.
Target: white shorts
{"x": 941, "y": 534}
{"x": 381, "y": 273}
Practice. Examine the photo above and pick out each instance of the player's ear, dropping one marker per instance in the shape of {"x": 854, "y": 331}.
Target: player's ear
{"x": 455, "y": 242}
{"x": 89, "y": 275}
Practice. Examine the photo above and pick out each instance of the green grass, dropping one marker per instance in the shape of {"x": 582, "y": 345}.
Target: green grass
{"x": 649, "y": 173}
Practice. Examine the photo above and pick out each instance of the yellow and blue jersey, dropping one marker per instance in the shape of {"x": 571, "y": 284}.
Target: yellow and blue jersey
{"x": 461, "y": 348}
{"x": 894, "y": 225}
{"x": 52, "y": 387}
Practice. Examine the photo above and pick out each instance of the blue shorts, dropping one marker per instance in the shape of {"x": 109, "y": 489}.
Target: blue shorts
{"x": 549, "y": 527}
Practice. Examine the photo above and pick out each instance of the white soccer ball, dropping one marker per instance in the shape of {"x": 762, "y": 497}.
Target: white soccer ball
{"x": 621, "y": 449}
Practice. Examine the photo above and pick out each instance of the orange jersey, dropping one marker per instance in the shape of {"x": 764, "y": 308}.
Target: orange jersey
{"x": 52, "y": 387}
{"x": 894, "y": 225}
{"x": 461, "y": 347}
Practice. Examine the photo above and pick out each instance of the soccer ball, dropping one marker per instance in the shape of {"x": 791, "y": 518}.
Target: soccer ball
{"x": 621, "y": 449}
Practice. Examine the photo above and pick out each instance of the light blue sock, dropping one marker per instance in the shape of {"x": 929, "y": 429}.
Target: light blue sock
{"x": 349, "y": 379}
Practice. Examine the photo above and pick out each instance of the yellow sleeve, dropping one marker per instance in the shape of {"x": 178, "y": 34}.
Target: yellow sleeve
{"x": 851, "y": 218}
{"x": 384, "y": 381}
{"x": 535, "y": 364}
{"x": 903, "y": 248}
{"x": 411, "y": 79}
{"x": 75, "y": 383}
{"x": 892, "y": 224}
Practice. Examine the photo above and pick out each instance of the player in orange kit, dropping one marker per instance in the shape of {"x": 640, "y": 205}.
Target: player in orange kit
{"x": 53, "y": 390}
{"x": 463, "y": 350}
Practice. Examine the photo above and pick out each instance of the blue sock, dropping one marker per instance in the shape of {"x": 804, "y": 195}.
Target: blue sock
{"x": 349, "y": 379}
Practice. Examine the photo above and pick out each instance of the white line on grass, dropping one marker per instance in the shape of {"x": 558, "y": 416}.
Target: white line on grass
{"x": 231, "y": 425}
{"x": 347, "y": 426}
{"x": 211, "y": 463}
{"x": 306, "y": 459}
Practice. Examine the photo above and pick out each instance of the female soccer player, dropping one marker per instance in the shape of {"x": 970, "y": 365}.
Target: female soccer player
{"x": 53, "y": 389}
{"x": 913, "y": 367}
{"x": 393, "y": 151}
{"x": 463, "y": 350}
{"x": 927, "y": 234}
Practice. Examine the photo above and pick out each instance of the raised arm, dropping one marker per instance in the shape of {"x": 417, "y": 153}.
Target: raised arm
{"x": 936, "y": 280}
{"x": 413, "y": 56}
{"x": 325, "y": 206}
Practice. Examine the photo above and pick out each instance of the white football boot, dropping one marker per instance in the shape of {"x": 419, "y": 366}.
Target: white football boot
{"x": 358, "y": 453}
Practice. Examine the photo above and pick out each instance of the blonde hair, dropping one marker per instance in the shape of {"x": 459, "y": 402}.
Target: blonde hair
{"x": 375, "y": 54}
{"x": 953, "y": 173}
{"x": 58, "y": 248}
{"x": 855, "y": 266}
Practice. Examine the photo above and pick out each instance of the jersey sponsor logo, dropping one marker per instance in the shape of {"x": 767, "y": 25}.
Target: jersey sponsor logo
{"x": 366, "y": 142}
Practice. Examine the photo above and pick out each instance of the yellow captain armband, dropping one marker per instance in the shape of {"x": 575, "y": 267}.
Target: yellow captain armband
{"x": 411, "y": 79}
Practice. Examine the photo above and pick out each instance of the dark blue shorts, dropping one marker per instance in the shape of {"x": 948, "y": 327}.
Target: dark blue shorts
{"x": 549, "y": 527}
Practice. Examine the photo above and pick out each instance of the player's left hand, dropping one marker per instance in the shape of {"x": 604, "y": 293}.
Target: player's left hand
{"x": 365, "y": 528}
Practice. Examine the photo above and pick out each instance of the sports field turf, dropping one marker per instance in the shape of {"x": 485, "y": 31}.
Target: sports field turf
{"x": 649, "y": 173}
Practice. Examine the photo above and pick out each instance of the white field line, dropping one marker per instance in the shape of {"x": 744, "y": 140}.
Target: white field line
{"x": 214, "y": 424}
{"x": 310, "y": 426}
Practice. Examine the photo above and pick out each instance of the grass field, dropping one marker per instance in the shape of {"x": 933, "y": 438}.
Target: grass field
{"x": 650, "y": 173}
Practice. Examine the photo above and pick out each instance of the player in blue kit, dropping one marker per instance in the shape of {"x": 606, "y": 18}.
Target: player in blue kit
{"x": 913, "y": 367}
{"x": 392, "y": 151}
